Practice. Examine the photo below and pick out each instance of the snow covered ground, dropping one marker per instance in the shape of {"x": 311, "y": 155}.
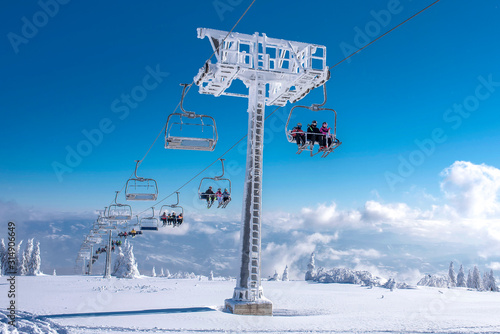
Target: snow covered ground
{"x": 160, "y": 305}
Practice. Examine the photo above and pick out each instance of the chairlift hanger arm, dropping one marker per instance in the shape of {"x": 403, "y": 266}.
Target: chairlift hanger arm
{"x": 216, "y": 178}
{"x": 137, "y": 163}
{"x": 189, "y": 114}
{"x": 177, "y": 203}
{"x": 313, "y": 107}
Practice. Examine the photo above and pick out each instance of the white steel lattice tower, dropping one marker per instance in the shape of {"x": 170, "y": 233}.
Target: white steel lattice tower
{"x": 275, "y": 71}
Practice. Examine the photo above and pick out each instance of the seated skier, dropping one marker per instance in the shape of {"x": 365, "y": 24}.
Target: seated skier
{"x": 299, "y": 135}
{"x": 210, "y": 196}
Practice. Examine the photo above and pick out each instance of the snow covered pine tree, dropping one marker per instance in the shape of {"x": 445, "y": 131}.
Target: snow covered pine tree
{"x": 310, "y": 269}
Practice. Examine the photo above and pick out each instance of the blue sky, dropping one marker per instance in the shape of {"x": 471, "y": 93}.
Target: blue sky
{"x": 63, "y": 78}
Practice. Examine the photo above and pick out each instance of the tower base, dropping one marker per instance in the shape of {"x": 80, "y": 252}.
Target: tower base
{"x": 262, "y": 306}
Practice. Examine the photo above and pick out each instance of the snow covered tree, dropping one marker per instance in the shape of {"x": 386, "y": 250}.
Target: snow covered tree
{"x": 26, "y": 258}
{"x": 153, "y": 272}
{"x": 119, "y": 260}
{"x": 54, "y": 273}
{"x": 310, "y": 269}
{"x": 125, "y": 265}
{"x": 167, "y": 273}
{"x": 486, "y": 281}
{"x": 211, "y": 276}
{"x": 452, "y": 276}
{"x": 390, "y": 284}
{"x": 493, "y": 282}
{"x": 476, "y": 279}
{"x": 4, "y": 255}
{"x": 276, "y": 276}
{"x": 19, "y": 258}
{"x": 461, "y": 278}
{"x": 434, "y": 281}
{"x": 345, "y": 275}
{"x": 35, "y": 261}
{"x": 285, "y": 274}
{"x": 489, "y": 282}
{"x": 469, "y": 279}
{"x": 162, "y": 273}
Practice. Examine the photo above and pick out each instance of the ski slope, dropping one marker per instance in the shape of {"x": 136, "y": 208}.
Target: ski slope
{"x": 78, "y": 304}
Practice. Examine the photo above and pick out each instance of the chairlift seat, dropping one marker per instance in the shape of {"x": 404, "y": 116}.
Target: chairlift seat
{"x": 190, "y": 135}
{"x": 175, "y": 207}
{"x": 141, "y": 197}
{"x": 149, "y": 224}
{"x": 186, "y": 143}
{"x": 318, "y": 136}
{"x": 215, "y": 182}
{"x": 149, "y": 228}
{"x": 120, "y": 217}
{"x": 120, "y": 212}
{"x": 140, "y": 188}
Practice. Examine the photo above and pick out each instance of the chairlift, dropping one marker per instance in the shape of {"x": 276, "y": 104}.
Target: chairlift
{"x": 101, "y": 231}
{"x": 215, "y": 183}
{"x": 92, "y": 238}
{"x": 83, "y": 255}
{"x": 190, "y": 131}
{"x": 119, "y": 212}
{"x": 331, "y": 143}
{"x": 104, "y": 223}
{"x": 175, "y": 220}
{"x": 133, "y": 224}
{"x": 140, "y": 188}
{"x": 149, "y": 223}
{"x": 102, "y": 220}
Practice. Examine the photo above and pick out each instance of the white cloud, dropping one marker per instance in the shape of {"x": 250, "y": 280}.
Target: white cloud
{"x": 323, "y": 218}
{"x": 204, "y": 228}
{"x": 328, "y": 216}
{"x": 375, "y": 270}
{"x": 219, "y": 216}
{"x": 334, "y": 254}
{"x": 178, "y": 230}
{"x": 425, "y": 228}
{"x": 291, "y": 253}
{"x": 472, "y": 189}
{"x": 58, "y": 237}
{"x": 494, "y": 265}
{"x": 409, "y": 276}
{"x": 394, "y": 212}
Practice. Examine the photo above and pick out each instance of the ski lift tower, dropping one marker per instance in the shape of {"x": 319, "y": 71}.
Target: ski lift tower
{"x": 275, "y": 71}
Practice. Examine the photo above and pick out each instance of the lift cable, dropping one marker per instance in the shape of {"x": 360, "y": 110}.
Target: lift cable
{"x": 386, "y": 33}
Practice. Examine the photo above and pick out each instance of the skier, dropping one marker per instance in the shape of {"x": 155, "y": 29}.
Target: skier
{"x": 209, "y": 196}
{"x": 325, "y": 134}
{"x": 226, "y": 197}
{"x": 163, "y": 218}
{"x": 218, "y": 194}
{"x": 299, "y": 135}
{"x": 313, "y": 133}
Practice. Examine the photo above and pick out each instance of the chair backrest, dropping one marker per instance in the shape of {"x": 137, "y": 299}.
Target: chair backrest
{"x": 186, "y": 134}
{"x": 141, "y": 189}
